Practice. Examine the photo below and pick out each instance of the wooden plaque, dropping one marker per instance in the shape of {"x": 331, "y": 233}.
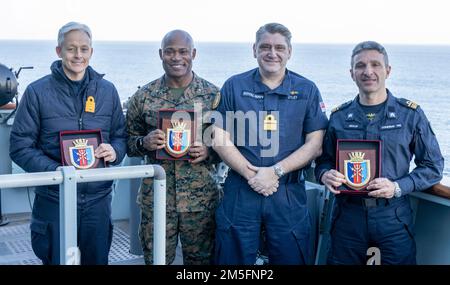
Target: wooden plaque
{"x": 179, "y": 128}
{"x": 360, "y": 162}
{"x": 77, "y": 148}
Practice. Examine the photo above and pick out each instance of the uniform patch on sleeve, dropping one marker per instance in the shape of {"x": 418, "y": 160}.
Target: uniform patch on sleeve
{"x": 322, "y": 107}
{"x": 216, "y": 101}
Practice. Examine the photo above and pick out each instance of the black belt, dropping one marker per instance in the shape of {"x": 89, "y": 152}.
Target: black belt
{"x": 367, "y": 202}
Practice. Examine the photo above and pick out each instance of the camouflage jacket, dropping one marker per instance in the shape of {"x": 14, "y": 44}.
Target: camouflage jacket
{"x": 191, "y": 186}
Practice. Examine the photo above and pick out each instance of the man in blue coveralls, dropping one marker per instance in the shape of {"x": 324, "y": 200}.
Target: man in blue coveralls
{"x": 384, "y": 219}
{"x": 275, "y": 123}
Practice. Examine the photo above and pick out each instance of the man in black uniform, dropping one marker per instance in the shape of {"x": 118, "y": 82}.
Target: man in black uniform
{"x": 384, "y": 219}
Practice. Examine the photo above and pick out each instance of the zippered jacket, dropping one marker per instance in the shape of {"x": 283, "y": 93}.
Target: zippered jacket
{"x": 49, "y": 106}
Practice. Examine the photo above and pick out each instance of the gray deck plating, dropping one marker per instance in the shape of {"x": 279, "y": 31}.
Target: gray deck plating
{"x": 15, "y": 247}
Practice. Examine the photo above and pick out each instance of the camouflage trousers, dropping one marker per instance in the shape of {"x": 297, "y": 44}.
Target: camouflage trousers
{"x": 196, "y": 232}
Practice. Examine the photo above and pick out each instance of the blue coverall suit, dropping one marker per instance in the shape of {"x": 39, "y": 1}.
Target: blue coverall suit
{"x": 48, "y": 106}
{"x": 359, "y": 223}
{"x": 297, "y": 107}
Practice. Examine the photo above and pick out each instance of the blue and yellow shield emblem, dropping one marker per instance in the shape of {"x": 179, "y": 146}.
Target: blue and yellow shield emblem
{"x": 357, "y": 170}
{"x": 81, "y": 154}
{"x": 178, "y": 139}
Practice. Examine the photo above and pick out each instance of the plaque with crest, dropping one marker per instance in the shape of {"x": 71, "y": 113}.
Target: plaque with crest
{"x": 360, "y": 162}
{"x": 78, "y": 147}
{"x": 179, "y": 129}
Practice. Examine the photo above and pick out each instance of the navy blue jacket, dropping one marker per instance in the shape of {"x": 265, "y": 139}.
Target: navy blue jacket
{"x": 48, "y": 106}
{"x": 404, "y": 131}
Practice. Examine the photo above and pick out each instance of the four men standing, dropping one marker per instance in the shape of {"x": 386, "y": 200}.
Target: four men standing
{"x": 270, "y": 127}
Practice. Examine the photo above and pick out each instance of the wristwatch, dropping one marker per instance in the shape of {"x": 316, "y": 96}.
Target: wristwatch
{"x": 279, "y": 171}
{"x": 140, "y": 143}
{"x": 397, "y": 190}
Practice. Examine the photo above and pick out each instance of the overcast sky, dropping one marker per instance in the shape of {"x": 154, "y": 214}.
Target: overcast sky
{"x": 311, "y": 21}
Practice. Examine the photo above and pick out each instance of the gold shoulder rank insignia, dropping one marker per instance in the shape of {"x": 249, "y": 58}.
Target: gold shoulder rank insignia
{"x": 408, "y": 103}
{"x": 412, "y": 104}
{"x": 340, "y": 107}
{"x": 335, "y": 109}
{"x": 216, "y": 101}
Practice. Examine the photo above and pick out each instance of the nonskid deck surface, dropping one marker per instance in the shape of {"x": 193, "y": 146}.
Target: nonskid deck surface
{"x": 15, "y": 245}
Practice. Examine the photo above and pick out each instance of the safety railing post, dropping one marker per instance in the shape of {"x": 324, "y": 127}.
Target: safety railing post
{"x": 159, "y": 225}
{"x": 159, "y": 216}
{"x": 68, "y": 251}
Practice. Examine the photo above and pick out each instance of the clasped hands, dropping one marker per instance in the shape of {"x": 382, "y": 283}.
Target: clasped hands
{"x": 263, "y": 180}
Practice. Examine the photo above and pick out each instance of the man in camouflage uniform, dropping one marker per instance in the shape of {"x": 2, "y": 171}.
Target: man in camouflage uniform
{"x": 191, "y": 191}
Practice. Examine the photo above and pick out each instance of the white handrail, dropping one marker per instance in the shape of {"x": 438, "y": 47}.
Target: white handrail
{"x": 68, "y": 177}
{"x": 31, "y": 179}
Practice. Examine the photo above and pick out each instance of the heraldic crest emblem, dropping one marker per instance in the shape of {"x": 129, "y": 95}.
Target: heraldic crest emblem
{"x": 357, "y": 170}
{"x": 178, "y": 139}
{"x": 82, "y": 154}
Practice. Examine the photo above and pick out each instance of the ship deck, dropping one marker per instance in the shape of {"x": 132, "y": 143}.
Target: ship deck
{"x": 15, "y": 243}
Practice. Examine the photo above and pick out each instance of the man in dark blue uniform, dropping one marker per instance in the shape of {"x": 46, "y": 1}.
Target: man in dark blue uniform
{"x": 384, "y": 219}
{"x": 273, "y": 127}
{"x": 73, "y": 97}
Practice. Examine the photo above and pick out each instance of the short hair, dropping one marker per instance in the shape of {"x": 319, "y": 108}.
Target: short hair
{"x": 73, "y": 26}
{"x": 369, "y": 45}
{"x": 169, "y": 35}
{"x": 274, "y": 28}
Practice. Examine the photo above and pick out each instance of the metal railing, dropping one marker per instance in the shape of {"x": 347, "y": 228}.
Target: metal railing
{"x": 68, "y": 177}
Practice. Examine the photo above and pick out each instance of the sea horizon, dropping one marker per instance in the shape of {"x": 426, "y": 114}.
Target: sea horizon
{"x": 419, "y": 72}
